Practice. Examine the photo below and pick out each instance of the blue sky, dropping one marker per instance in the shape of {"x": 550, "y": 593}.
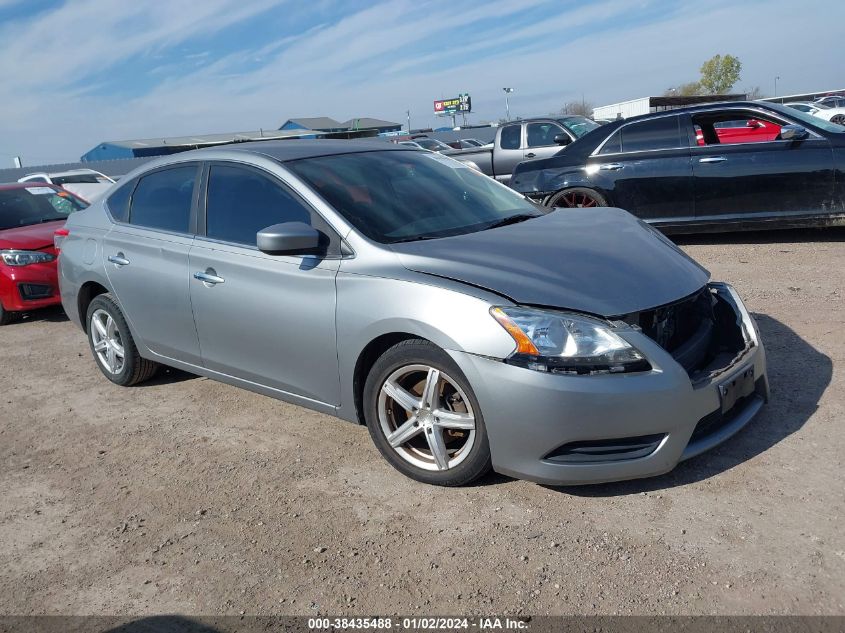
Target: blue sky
{"x": 83, "y": 71}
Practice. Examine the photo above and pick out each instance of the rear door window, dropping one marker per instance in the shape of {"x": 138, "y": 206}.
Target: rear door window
{"x": 163, "y": 199}
{"x": 654, "y": 134}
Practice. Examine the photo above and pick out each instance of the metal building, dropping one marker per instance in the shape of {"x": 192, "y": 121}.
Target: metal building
{"x": 646, "y": 105}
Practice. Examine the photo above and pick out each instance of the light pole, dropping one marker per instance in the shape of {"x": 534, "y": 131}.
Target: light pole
{"x": 408, "y": 113}
{"x": 507, "y": 104}
{"x": 776, "y": 85}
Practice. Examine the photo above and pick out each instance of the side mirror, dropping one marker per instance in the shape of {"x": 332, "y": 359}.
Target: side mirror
{"x": 753, "y": 123}
{"x": 288, "y": 238}
{"x": 562, "y": 139}
{"x": 793, "y": 132}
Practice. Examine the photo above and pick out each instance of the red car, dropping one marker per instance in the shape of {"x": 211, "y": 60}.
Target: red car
{"x": 30, "y": 214}
{"x": 741, "y": 131}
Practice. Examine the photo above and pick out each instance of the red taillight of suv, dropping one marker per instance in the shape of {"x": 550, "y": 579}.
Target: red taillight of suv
{"x": 59, "y": 236}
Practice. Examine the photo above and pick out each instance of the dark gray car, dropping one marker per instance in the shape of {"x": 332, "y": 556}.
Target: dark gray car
{"x": 466, "y": 326}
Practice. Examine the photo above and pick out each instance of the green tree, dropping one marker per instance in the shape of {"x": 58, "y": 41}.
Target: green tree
{"x": 719, "y": 74}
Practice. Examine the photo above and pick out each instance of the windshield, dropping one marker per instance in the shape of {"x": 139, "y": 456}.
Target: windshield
{"x": 33, "y": 205}
{"x": 398, "y": 196}
{"x": 814, "y": 121}
{"x": 431, "y": 144}
{"x": 80, "y": 179}
{"x": 578, "y": 125}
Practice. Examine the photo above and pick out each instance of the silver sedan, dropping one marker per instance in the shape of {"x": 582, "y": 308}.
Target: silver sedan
{"x": 466, "y": 327}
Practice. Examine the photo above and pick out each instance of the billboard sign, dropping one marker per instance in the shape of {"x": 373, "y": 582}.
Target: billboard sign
{"x": 463, "y": 103}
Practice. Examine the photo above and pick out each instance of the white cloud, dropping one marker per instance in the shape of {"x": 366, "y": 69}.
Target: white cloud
{"x": 369, "y": 63}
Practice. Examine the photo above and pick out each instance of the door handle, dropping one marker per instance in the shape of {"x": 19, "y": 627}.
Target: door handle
{"x": 611, "y": 166}
{"x": 209, "y": 277}
{"x": 712, "y": 159}
{"x": 530, "y": 155}
{"x": 118, "y": 260}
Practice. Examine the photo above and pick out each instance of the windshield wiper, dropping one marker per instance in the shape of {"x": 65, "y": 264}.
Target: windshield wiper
{"x": 513, "y": 219}
{"x": 418, "y": 238}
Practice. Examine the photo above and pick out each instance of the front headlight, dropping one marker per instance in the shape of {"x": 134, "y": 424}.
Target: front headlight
{"x": 566, "y": 343}
{"x": 25, "y": 258}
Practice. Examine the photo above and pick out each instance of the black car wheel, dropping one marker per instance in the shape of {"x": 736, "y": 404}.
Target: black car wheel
{"x": 577, "y": 198}
{"x": 6, "y": 317}
{"x": 838, "y": 119}
{"x": 423, "y": 415}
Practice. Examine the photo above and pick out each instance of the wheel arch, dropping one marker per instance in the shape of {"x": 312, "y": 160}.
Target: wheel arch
{"x": 367, "y": 358}
{"x": 87, "y": 292}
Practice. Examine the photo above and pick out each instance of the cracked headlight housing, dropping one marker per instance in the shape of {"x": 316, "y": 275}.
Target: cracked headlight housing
{"x": 25, "y": 258}
{"x": 565, "y": 343}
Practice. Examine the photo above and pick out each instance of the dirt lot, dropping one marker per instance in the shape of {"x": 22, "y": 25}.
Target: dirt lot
{"x": 187, "y": 496}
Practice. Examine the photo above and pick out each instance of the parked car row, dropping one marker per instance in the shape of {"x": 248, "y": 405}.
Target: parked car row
{"x": 466, "y": 326}
{"x": 720, "y": 166}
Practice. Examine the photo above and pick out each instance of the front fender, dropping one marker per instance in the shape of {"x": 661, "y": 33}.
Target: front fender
{"x": 448, "y": 318}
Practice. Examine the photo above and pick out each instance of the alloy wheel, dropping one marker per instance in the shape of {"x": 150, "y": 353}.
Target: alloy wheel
{"x": 107, "y": 342}
{"x": 426, "y": 417}
{"x": 576, "y": 200}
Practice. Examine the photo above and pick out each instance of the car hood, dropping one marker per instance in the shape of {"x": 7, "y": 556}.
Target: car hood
{"x": 600, "y": 261}
{"x": 31, "y": 238}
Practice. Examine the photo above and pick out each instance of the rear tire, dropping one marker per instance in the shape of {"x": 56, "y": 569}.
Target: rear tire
{"x": 838, "y": 119}
{"x": 112, "y": 345}
{"x": 577, "y": 198}
{"x": 430, "y": 427}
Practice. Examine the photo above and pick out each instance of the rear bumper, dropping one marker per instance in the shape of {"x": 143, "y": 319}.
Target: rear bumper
{"x": 24, "y": 288}
{"x": 533, "y": 419}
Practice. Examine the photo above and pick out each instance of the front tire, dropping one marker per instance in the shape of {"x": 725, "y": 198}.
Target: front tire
{"x": 6, "y": 317}
{"x": 838, "y": 119}
{"x": 424, "y": 417}
{"x": 112, "y": 344}
{"x": 577, "y": 198}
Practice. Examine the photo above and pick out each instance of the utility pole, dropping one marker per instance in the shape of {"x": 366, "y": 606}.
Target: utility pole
{"x": 776, "y": 85}
{"x": 408, "y": 114}
{"x": 507, "y": 103}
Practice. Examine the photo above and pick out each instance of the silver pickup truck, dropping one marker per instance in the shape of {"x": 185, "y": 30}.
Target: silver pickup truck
{"x": 523, "y": 140}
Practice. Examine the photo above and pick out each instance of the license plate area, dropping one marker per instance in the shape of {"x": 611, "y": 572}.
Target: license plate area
{"x": 739, "y": 385}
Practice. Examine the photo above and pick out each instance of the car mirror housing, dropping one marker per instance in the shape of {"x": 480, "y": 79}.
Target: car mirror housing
{"x": 289, "y": 238}
{"x": 793, "y": 133}
{"x": 562, "y": 139}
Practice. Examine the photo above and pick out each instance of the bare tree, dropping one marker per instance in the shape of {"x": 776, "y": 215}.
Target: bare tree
{"x": 684, "y": 90}
{"x": 755, "y": 93}
{"x": 584, "y": 108}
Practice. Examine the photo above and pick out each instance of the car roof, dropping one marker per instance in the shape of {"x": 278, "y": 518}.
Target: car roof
{"x": 296, "y": 149}
{"x": 26, "y": 185}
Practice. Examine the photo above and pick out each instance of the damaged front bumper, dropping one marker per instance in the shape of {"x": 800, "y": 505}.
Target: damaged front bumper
{"x": 562, "y": 430}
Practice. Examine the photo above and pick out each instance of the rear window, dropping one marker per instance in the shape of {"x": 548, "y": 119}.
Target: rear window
{"x": 162, "y": 200}
{"x": 26, "y": 206}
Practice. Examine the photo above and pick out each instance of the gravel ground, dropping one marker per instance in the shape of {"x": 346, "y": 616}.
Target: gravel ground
{"x": 188, "y": 496}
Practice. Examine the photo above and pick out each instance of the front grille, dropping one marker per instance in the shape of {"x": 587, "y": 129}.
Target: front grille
{"x": 683, "y": 328}
{"x": 31, "y": 292}
{"x": 673, "y": 324}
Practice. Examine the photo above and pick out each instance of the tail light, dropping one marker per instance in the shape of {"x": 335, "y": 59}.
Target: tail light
{"x": 59, "y": 236}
